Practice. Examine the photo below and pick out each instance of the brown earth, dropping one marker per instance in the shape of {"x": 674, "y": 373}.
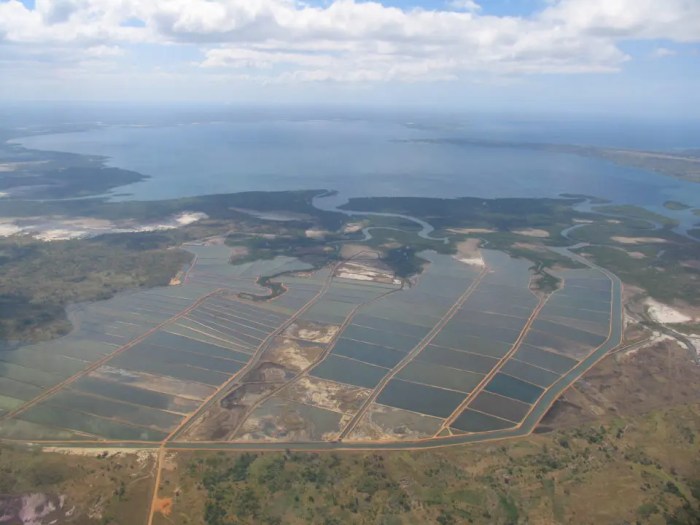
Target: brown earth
{"x": 293, "y": 354}
{"x": 656, "y": 376}
{"x": 163, "y": 506}
{"x": 349, "y": 250}
{"x": 310, "y": 331}
{"x": 326, "y": 394}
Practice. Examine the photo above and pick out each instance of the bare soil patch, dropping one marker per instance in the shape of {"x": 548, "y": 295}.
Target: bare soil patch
{"x": 238, "y": 252}
{"x": 637, "y": 240}
{"x": 662, "y": 313}
{"x": 468, "y": 231}
{"x": 293, "y": 354}
{"x": 163, "y": 506}
{"x": 354, "y": 227}
{"x": 469, "y": 253}
{"x": 309, "y": 331}
{"x": 366, "y": 271}
{"x": 326, "y": 394}
{"x": 532, "y": 232}
{"x": 658, "y": 375}
{"x": 221, "y": 420}
{"x": 384, "y": 423}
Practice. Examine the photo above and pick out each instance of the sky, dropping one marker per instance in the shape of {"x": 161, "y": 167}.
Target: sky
{"x": 633, "y": 57}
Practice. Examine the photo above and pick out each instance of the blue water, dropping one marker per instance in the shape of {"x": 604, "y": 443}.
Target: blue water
{"x": 369, "y": 157}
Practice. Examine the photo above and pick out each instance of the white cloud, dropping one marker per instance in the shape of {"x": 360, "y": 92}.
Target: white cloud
{"x": 104, "y": 51}
{"x": 346, "y": 40}
{"x": 662, "y": 52}
{"x": 464, "y": 5}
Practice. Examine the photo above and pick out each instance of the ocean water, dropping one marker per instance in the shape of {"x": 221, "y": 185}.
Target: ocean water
{"x": 366, "y": 156}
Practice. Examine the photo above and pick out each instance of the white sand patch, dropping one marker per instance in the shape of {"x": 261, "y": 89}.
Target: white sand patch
{"x": 183, "y": 219}
{"x": 656, "y": 337}
{"x": 190, "y": 217}
{"x": 59, "y": 228}
{"x": 636, "y": 255}
{"x": 318, "y": 336}
{"x": 637, "y": 240}
{"x": 662, "y": 313}
{"x": 361, "y": 272}
{"x": 355, "y": 276}
{"x": 315, "y": 234}
{"x": 353, "y": 227}
{"x": 468, "y": 252}
{"x": 471, "y": 230}
{"x": 472, "y": 261}
{"x": 325, "y": 394}
{"x": 532, "y": 232}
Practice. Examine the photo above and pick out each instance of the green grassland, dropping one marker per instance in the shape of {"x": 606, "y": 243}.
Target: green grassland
{"x": 642, "y": 469}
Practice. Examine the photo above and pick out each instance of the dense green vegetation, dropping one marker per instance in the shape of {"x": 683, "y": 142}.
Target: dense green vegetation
{"x": 57, "y": 175}
{"x": 551, "y": 215}
{"x": 285, "y": 242}
{"x": 571, "y": 476}
{"x": 660, "y": 262}
{"x": 637, "y": 212}
{"x": 38, "y": 279}
{"x": 544, "y": 281}
{"x": 404, "y": 261}
{"x": 666, "y": 278}
{"x": 276, "y": 289}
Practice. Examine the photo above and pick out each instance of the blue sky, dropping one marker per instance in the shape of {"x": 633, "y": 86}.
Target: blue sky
{"x": 636, "y": 57}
